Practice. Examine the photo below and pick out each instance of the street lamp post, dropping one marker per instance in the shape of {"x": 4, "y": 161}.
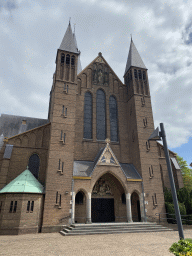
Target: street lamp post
{"x": 156, "y": 135}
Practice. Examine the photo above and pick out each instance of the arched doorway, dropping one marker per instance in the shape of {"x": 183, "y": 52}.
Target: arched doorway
{"x": 80, "y": 207}
{"x": 135, "y": 207}
{"x": 106, "y": 201}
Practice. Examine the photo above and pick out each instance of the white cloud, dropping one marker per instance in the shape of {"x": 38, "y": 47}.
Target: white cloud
{"x": 31, "y": 32}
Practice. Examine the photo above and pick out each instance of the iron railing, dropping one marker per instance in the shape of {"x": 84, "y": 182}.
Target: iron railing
{"x": 167, "y": 217}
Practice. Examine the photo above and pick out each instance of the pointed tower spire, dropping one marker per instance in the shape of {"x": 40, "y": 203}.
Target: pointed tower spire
{"x": 79, "y": 68}
{"x": 134, "y": 59}
{"x": 69, "y": 42}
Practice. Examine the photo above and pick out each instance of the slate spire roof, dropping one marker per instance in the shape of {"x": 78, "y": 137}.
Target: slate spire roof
{"x": 134, "y": 59}
{"x": 24, "y": 183}
{"x": 69, "y": 42}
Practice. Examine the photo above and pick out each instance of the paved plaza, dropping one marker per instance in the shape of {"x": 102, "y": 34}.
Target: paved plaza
{"x": 132, "y": 244}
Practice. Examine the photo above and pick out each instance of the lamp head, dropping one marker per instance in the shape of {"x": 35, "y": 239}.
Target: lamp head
{"x": 155, "y": 135}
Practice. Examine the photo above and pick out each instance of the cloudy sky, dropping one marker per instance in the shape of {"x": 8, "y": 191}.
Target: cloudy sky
{"x": 31, "y": 33}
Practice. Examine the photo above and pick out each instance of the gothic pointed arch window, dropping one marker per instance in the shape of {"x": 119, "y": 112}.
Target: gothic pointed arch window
{"x": 113, "y": 118}
{"x": 135, "y": 73}
{"x": 62, "y": 58}
{"x": 87, "y": 116}
{"x": 62, "y": 65}
{"x": 101, "y": 115}
{"x": 73, "y": 68}
{"x": 33, "y": 165}
{"x": 73, "y": 60}
{"x": 79, "y": 197}
{"x": 67, "y": 59}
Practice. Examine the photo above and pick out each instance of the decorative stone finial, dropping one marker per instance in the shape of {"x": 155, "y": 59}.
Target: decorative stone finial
{"x": 107, "y": 141}
{"x": 100, "y": 54}
{"x": 27, "y": 167}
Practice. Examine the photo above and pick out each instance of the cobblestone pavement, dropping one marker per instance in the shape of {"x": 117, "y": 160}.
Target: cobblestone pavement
{"x": 132, "y": 244}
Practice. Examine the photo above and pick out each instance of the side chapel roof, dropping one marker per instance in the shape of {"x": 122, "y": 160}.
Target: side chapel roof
{"x": 24, "y": 183}
{"x": 11, "y": 125}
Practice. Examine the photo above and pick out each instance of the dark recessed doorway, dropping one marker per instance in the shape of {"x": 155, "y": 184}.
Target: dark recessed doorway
{"x": 102, "y": 210}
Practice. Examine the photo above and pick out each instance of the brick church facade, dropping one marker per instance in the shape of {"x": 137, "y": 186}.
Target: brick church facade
{"x": 90, "y": 161}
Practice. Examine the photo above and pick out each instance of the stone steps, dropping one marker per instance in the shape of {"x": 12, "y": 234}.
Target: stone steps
{"x": 111, "y": 228}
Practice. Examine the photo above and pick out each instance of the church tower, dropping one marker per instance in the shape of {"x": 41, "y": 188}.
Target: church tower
{"x": 143, "y": 154}
{"x": 62, "y": 117}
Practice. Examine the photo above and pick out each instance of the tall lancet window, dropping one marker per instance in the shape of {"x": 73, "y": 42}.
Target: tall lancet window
{"x": 101, "y": 115}
{"x": 87, "y": 116}
{"x": 68, "y": 59}
{"x": 73, "y": 60}
{"x": 62, "y": 65}
{"x": 113, "y": 118}
{"x": 73, "y": 68}
{"x": 33, "y": 165}
{"x": 62, "y": 58}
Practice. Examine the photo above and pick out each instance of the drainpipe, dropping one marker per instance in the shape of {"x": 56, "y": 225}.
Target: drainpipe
{"x": 143, "y": 202}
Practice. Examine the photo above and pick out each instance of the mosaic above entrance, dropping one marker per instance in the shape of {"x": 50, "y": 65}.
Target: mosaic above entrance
{"x": 102, "y": 188}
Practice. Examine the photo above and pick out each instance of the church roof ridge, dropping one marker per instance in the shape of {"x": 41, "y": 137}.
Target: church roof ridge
{"x": 69, "y": 42}
{"x": 134, "y": 58}
{"x": 24, "y": 183}
{"x": 19, "y": 134}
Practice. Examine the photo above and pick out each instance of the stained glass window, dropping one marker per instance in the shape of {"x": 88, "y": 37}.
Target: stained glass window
{"x": 113, "y": 118}
{"x": 101, "y": 115}
{"x": 87, "y": 116}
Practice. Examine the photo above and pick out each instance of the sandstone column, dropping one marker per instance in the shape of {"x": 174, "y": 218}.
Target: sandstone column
{"x": 128, "y": 206}
{"x": 88, "y": 221}
{"x": 73, "y": 208}
{"x": 142, "y": 207}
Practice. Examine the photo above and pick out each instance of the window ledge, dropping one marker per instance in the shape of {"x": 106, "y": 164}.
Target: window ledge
{"x": 84, "y": 139}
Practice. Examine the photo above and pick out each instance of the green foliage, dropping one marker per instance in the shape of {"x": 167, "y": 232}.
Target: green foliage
{"x": 186, "y": 172}
{"x": 184, "y": 196}
{"x": 187, "y": 181}
{"x": 183, "y": 164}
{"x": 183, "y": 247}
{"x": 171, "y": 211}
{"x": 168, "y": 195}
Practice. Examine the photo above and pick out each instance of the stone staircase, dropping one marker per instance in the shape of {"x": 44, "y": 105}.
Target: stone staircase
{"x": 112, "y": 228}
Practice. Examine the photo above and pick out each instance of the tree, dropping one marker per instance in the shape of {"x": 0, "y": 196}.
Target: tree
{"x": 183, "y": 164}
{"x": 186, "y": 172}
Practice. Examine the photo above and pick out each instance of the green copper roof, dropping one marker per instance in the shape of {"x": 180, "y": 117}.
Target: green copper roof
{"x": 24, "y": 183}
